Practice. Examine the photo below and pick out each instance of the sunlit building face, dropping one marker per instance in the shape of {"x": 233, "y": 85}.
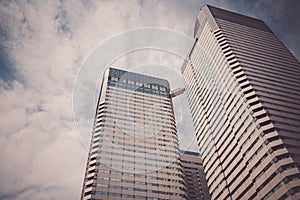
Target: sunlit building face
{"x": 243, "y": 89}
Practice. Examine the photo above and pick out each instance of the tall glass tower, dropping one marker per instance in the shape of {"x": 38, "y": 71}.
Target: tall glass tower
{"x": 134, "y": 151}
{"x": 243, "y": 89}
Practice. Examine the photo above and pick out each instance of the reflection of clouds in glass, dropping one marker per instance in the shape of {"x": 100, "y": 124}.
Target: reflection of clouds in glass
{"x": 115, "y": 47}
{"x": 171, "y": 73}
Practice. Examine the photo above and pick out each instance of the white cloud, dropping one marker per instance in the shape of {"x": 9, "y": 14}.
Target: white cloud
{"x": 48, "y": 41}
{"x": 38, "y": 144}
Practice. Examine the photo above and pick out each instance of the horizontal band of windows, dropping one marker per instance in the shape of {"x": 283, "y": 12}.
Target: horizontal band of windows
{"x": 150, "y": 176}
{"x": 107, "y": 129}
{"x": 156, "y": 157}
{"x": 161, "y": 115}
{"x": 156, "y": 86}
{"x": 269, "y": 63}
{"x": 159, "y": 140}
{"x": 256, "y": 39}
{"x": 134, "y": 120}
{"x": 290, "y": 192}
{"x": 123, "y": 145}
{"x": 282, "y": 106}
{"x": 111, "y": 101}
{"x": 153, "y": 127}
{"x": 122, "y": 135}
{"x": 117, "y": 166}
{"x": 173, "y": 176}
{"x": 277, "y": 97}
{"x": 137, "y": 97}
{"x": 248, "y": 66}
{"x": 233, "y": 20}
{"x": 262, "y": 49}
{"x": 134, "y": 196}
{"x": 138, "y": 189}
{"x": 176, "y": 176}
{"x": 125, "y": 101}
{"x": 139, "y": 151}
{"x": 124, "y": 129}
{"x": 267, "y": 87}
{"x": 263, "y": 53}
{"x": 138, "y": 89}
{"x": 139, "y": 78}
{"x": 266, "y": 81}
{"x": 273, "y": 176}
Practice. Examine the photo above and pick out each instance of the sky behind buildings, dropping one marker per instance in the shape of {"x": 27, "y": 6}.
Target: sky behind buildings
{"x": 43, "y": 45}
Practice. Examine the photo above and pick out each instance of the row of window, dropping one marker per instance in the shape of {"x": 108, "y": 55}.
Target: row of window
{"x": 125, "y": 129}
{"x": 105, "y": 159}
{"x": 155, "y": 113}
{"x": 163, "y": 133}
{"x": 125, "y": 153}
{"x": 130, "y": 196}
{"x": 142, "y": 176}
{"x": 142, "y": 189}
{"x": 109, "y": 139}
{"x": 167, "y": 180}
{"x": 142, "y": 89}
{"x": 152, "y": 101}
{"x": 134, "y": 169}
{"x": 121, "y": 74}
{"x": 168, "y": 152}
{"x": 123, "y": 144}
{"x": 137, "y": 95}
{"x": 163, "y": 109}
{"x": 166, "y": 137}
{"x": 131, "y": 118}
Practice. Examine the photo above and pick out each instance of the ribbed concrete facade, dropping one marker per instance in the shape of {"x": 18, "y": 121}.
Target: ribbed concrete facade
{"x": 243, "y": 89}
{"x": 134, "y": 152}
{"x": 195, "y": 182}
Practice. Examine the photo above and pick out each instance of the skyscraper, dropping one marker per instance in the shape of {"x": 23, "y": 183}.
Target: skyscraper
{"x": 195, "y": 182}
{"x": 134, "y": 151}
{"x": 243, "y": 89}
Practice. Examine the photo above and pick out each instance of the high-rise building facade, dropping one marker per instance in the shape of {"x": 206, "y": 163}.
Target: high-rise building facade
{"x": 134, "y": 151}
{"x": 243, "y": 89}
{"x": 195, "y": 182}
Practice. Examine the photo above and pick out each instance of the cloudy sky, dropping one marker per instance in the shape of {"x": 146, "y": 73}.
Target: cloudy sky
{"x": 43, "y": 46}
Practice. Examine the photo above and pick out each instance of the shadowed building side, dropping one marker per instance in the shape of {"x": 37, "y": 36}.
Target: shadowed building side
{"x": 195, "y": 182}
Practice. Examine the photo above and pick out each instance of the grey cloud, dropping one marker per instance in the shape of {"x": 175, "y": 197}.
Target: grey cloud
{"x": 25, "y": 191}
{"x": 9, "y": 40}
{"x": 61, "y": 19}
{"x": 23, "y": 28}
{"x": 87, "y": 3}
{"x": 7, "y": 73}
{"x": 284, "y": 19}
